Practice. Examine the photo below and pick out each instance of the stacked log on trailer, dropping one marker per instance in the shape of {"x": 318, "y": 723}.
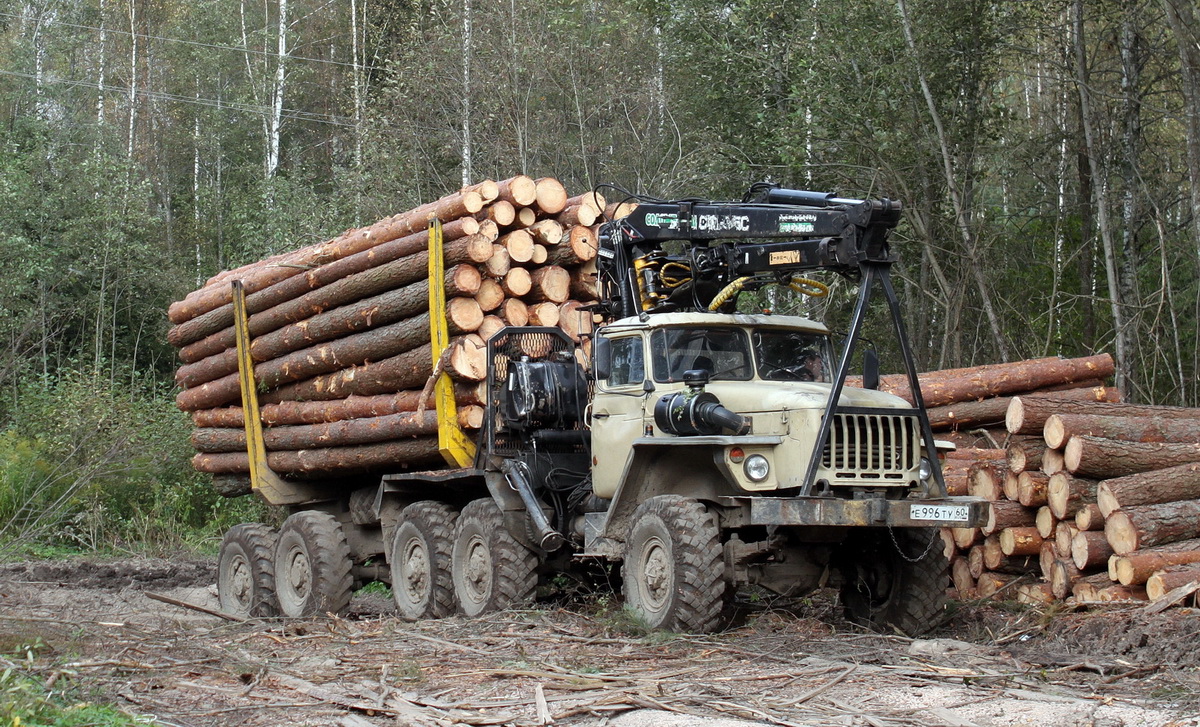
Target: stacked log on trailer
{"x": 340, "y": 331}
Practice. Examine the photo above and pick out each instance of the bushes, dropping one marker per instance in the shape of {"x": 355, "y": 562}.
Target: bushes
{"x": 99, "y": 462}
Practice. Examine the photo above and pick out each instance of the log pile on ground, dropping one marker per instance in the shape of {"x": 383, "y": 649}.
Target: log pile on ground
{"x": 340, "y": 331}
{"x": 1100, "y": 502}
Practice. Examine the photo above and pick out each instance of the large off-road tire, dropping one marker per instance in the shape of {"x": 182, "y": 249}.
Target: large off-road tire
{"x": 420, "y": 560}
{"x": 895, "y": 585}
{"x": 312, "y": 565}
{"x": 246, "y": 571}
{"x": 674, "y": 571}
{"x": 490, "y": 569}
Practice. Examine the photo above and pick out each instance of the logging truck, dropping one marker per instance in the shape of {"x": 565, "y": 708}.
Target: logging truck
{"x": 699, "y": 448}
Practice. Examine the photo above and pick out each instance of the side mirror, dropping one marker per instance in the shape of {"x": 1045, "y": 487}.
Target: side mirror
{"x": 870, "y": 369}
{"x": 602, "y": 358}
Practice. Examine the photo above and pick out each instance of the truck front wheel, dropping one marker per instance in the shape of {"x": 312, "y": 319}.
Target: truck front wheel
{"x": 420, "y": 561}
{"x": 246, "y": 571}
{"x": 674, "y": 569}
{"x": 312, "y": 565}
{"x": 491, "y": 570}
{"x": 895, "y": 580}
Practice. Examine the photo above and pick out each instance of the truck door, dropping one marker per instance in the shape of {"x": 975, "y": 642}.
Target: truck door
{"x": 618, "y": 409}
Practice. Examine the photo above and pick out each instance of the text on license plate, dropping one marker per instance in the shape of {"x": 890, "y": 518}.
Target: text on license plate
{"x": 953, "y": 513}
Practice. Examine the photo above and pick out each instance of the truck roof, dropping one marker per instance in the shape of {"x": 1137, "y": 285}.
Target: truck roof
{"x": 760, "y": 320}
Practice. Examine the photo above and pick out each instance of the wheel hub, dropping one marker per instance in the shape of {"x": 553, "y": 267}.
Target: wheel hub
{"x": 241, "y": 584}
{"x": 299, "y": 573}
{"x": 479, "y": 568}
{"x": 416, "y": 569}
{"x": 656, "y": 573}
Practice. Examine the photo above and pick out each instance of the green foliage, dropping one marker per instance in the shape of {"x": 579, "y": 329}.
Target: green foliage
{"x": 24, "y": 702}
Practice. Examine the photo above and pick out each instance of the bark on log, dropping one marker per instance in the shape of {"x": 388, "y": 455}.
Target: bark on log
{"x": 520, "y": 191}
{"x": 551, "y": 196}
{"x": 550, "y": 283}
{"x": 331, "y": 434}
{"x": 578, "y": 247}
{"x": 232, "y": 485}
{"x": 993, "y": 585}
{"x": 459, "y": 204}
{"x": 409, "y": 370}
{"x": 1003, "y": 514}
{"x": 573, "y": 321}
{"x": 939, "y": 388}
{"x": 1149, "y": 525}
{"x": 1137, "y": 567}
{"x": 1020, "y": 541}
{"x": 516, "y": 283}
{"x": 1084, "y": 586}
{"x": 577, "y": 214}
{"x": 975, "y": 454}
{"x": 386, "y": 456}
{"x": 1061, "y": 427}
{"x": 995, "y": 410}
{"x": 1066, "y": 494}
{"x": 1088, "y": 517}
{"x": 617, "y": 210}
{"x": 1149, "y": 488}
{"x": 1035, "y": 593}
{"x": 1101, "y": 458}
{"x": 377, "y": 270}
{"x": 583, "y": 285}
{"x": 288, "y": 413}
{"x": 593, "y": 200}
{"x": 1017, "y": 565}
{"x": 1025, "y": 454}
{"x": 1170, "y": 578}
{"x": 1031, "y": 487}
{"x": 1090, "y": 550}
{"x": 1027, "y": 414}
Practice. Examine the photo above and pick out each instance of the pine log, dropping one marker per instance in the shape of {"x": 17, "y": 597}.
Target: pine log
{"x": 516, "y": 283}
{"x": 1086, "y": 586}
{"x": 583, "y": 285}
{"x": 1063, "y": 575}
{"x": 993, "y": 585}
{"x": 520, "y": 191}
{"x": 949, "y": 549}
{"x": 513, "y": 312}
{"x": 1035, "y": 594}
{"x": 993, "y": 556}
{"x": 491, "y": 326}
{"x": 987, "y": 479}
{"x": 519, "y": 245}
{"x": 373, "y": 312}
{"x": 331, "y": 434}
{"x": 939, "y": 388}
{"x": 1032, "y": 488}
{"x": 1170, "y": 578}
{"x": 1122, "y": 593}
{"x": 617, "y": 210}
{"x": 577, "y": 214}
{"x": 1020, "y": 541}
{"x": 1045, "y": 521}
{"x": 467, "y": 360}
{"x": 1064, "y": 532}
{"x": 1061, "y": 427}
{"x": 957, "y": 483}
{"x": 1028, "y": 414}
{"x": 232, "y": 485}
{"x": 1088, "y": 517}
{"x": 526, "y": 216}
{"x": 994, "y": 410}
{"x": 1137, "y": 567}
{"x": 1090, "y": 550}
{"x": 975, "y": 454}
{"x": 551, "y": 196}
{"x": 966, "y": 537}
{"x": 593, "y": 200}
{"x": 575, "y": 322}
{"x": 354, "y": 407}
{"x": 409, "y": 370}
{"x": 960, "y": 573}
{"x": 490, "y": 295}
{"x": 546, "y": 232}
{"x": 500, "y": 262}
{"x": 1052, "y": 461}
{"x": 1149, "y": 488}
{"x": 1066, "y": 494}
{"x": 579, "y": 246}
{"x": 1047, "y": 554}
{"x": 459, "y": 204}
{"x": 1025, "y": 453}
{"x": 975, "y": 562}
{"x": 502, "y": 212}
{"x": 330, "y": 286}
{"x": 1003, "y": 514}
{"x": 550, "y": 283}
{"x": 540, "y": 254}
{"x": 1101, "y": 458}
{"x": 385, "y": 456}
{"x": 1012, "y": 487}
{"x": 1149, "y": 525}
{"x": 543, "y": 314}
{"x": 999, "y": 563}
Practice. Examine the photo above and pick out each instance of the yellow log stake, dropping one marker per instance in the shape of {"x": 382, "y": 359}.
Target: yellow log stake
{"x": 457, "y": 449}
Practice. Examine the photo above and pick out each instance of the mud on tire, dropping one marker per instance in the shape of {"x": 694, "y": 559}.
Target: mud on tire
{"x": 422, "y": 584}
{"x": 491, "y": 570}
{"x": 886, "y": 591}
{"x": 312, "y": 565}
{"x": 246, "y": 571}
{"x": 674, "y": 570}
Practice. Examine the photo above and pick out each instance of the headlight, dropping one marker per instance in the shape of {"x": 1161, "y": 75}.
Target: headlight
{"x": 925, "y": 470}
{"x": 757, "y": 467}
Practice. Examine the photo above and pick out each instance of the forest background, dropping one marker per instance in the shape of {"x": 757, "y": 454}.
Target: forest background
{"x": 1048, "y": 155}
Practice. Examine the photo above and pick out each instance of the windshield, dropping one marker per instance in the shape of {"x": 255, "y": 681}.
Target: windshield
{"x": 792, "y": 356}
{"x": 723, "y": 352}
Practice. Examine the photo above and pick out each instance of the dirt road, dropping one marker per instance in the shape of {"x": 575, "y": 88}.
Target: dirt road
{"x": 93, "y": 626}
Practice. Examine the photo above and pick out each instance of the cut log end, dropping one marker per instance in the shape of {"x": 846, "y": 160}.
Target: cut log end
{"x": 1121, "y": 533}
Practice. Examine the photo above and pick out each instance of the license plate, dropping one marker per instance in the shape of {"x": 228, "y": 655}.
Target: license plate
{"x": 950, "y": 513}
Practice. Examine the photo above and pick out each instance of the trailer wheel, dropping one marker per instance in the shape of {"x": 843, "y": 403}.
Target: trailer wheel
{"x": 898, "y": 585}
{"x": 312, "y": 565}
{"x": 674, "y": 572}
{"x": 246, "y": 571}
{"x": 491, "y": 570}
{"x": 420, "y": 559}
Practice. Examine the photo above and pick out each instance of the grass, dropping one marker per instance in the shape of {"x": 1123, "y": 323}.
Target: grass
{"x": 26, "y": 702}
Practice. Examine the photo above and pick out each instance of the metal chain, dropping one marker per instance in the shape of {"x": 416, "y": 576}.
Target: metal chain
{"x": 919, "y": 558}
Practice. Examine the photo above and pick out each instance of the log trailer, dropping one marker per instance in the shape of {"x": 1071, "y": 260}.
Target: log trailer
{"x": 700, "y": 448}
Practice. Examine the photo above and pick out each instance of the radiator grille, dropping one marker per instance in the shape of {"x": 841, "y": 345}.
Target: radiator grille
{"x": 872, "y": 447}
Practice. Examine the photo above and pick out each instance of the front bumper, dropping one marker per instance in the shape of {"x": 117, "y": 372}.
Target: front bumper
{"x": 948, "y": 512}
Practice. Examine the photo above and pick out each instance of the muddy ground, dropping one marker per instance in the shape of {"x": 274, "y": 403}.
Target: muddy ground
{"x": 93, "y": 628}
